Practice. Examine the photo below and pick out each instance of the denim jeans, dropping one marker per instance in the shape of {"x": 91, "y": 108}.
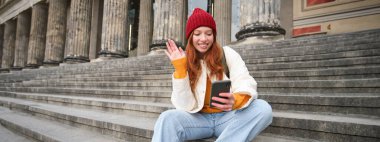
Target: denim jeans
{"x": 238, "y": 125}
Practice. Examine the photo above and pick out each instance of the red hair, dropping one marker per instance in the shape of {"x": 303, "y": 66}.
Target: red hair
{"x": 212, "y": 57}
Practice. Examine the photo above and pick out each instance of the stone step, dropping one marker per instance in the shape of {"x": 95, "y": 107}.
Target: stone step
{"x": 158, "y": 77}
{"x": 345, "y": 39}
{"x": 150, "y": 85}
{"x": 263, "y": 85}
{"x": 9, "y": 136}
{"x": 340, "y": 126}
{"x": 47, "y": 130}
{"x": 131, "y": 74}
{"x": 295, "y": 65}
{"x": 120, "y": 126}
{"x": 314, "y": 74}
{"x": 136, "y": 95}
{"x": 260, "y": 76}
{"x": 322, "y": 86}
{"x": 138, "y": 108}
{"x": 324, "y": 127}
{"x": 319, "y": 74}
{"x": 307, "y": 57}
{"x": 349, "y": 104}
{"x": 321, "y": 48}
{"x": 364, "y": 105}
{"x": 307, "y": 65}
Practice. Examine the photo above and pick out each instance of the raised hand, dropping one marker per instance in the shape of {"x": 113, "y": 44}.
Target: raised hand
{"x": 173, "y": 51}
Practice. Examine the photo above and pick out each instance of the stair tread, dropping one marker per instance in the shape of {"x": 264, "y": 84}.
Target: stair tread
{"x": 146, "y": 123}
{"x": 9, "y": 136}
{"x": 327, "y": 118}
{"x": 52, "y": 129}
{"x": 158, "y": 104}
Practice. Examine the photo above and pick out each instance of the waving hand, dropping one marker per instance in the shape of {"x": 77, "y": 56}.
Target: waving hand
{"x": 173, "y": 51}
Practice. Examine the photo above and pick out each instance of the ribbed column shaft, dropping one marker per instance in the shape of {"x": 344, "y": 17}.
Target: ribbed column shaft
{"x": 145, "y": 27}
{"x": 56, "y": 32}
{"x": 22, "y": 39}
{"x": 1, "y": 42}
{"x": 222, "y": 16}
{"x": 78, "y": 36}
{"x": 96, "y": 28}
{"x": 9, "y": 44}
{"x": 259, "y": 18}
{"x": 168, "y": 23}
{"x": 37, "y": 37}
{"x": 114, "y": 28}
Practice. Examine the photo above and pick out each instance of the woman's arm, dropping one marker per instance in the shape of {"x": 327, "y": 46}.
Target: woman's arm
{"x": 182, "y": 97}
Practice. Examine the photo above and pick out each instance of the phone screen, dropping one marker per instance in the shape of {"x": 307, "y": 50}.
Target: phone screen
{"x": 217, "y": 87}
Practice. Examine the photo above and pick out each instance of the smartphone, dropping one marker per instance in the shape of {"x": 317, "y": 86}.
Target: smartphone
{"x": 217, "y": 87}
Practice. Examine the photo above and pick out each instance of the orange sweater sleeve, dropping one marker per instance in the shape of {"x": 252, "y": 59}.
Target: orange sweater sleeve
{"x": 240, "y": 100}
{"x": 180, "y": 66}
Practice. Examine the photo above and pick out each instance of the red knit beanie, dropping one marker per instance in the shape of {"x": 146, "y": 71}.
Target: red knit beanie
{"x": 197, "y": 19}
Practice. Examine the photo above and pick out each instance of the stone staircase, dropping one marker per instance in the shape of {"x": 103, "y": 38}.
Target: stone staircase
{"x": 321, "y": 88}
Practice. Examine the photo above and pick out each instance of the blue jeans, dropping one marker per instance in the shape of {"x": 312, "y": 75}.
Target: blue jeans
{"x": 237, "y": 125}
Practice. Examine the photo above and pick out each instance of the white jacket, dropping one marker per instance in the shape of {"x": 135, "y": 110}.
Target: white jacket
{"x": 241, "y": 82}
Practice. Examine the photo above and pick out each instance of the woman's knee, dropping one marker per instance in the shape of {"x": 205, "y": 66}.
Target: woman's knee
{"x": 265, "y": 109}
{"x": 170, "y": 115}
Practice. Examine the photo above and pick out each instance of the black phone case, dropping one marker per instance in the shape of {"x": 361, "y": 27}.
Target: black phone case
{"x": 219, "y": 87}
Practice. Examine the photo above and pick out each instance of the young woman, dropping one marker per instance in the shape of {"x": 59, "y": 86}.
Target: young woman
{"x": 238, "y": 117}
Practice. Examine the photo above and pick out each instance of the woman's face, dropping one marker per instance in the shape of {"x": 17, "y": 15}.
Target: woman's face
{"x": 203, "y": 38}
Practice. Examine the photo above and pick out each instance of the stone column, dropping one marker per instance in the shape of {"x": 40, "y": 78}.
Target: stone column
{"x": 37, "y": 37}
{"x": 1, "y": 42}
{"x": 56, "y": 33}
{"x": 168, "y": 23}
{"x": 114, "y": 29}
{"x": 9, "y": 44}
{"x": 145, "y": 27}
{"x": 78, "y": 36}
{"x": 222, "y": 16}
{"x": 96, "y": 28}
{"x": 259, "y": 18}
{"x": 22, "y": 39}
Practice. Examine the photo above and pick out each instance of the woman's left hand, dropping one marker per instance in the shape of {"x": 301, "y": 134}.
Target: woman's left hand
{"x": 226, "y": 104}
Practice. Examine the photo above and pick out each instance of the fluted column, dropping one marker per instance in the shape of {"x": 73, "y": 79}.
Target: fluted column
{"x": 168, "y": 23}
{"x": 37, "y": 37}
{"x": 259, "y": 18}
{"x": 96, "y": 28}
{"x": 114, "y": 30}
{"x": 1, "y": 43}
{"x": 145, "y": 27}
{"x": 9, "y": 44}
{"x": 222, "y": 16}
{"x": 22, "y": 39}
{"x": 56, "y": 33}
{"x": 78, "y": 36}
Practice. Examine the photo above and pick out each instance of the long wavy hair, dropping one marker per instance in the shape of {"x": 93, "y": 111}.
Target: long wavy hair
{"x": 212, "y": 57}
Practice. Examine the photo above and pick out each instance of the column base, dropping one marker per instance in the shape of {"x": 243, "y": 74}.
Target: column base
{"x": 4, "y": 70}
{"x": 259, "y": 40}
{"x": 16, "y": 68}
{"x": 259, "y": 30}
{"x": 32, "y": 66}
{"x": 47, "y": 64}
{"x": 105, "y": 53}
{"x": 159, "y": 46}
{"x": 75, "y": 60}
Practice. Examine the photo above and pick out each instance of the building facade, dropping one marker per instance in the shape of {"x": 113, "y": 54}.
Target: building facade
{"x": 42, "y": 33}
